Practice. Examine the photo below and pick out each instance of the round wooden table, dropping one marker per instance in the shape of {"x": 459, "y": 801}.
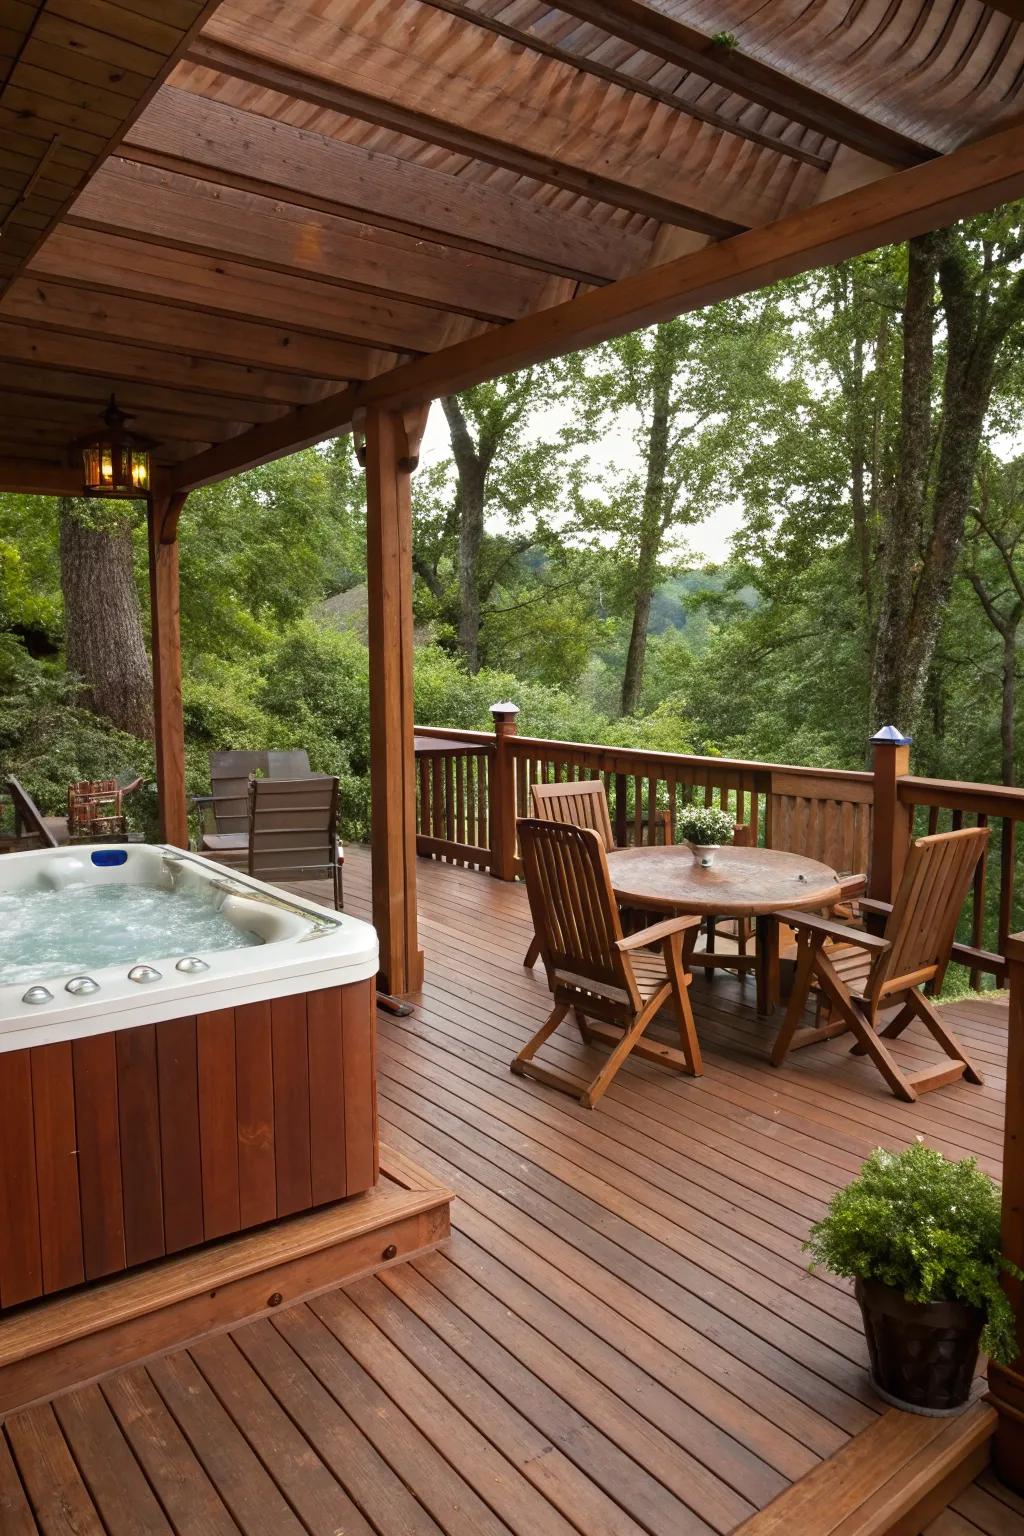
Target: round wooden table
{"x": 742, "y": 882}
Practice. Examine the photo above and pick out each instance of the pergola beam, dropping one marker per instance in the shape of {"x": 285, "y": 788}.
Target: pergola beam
{"x": 675, "y": 42}
{"x": 970, "y": 180}
{"x": 33, "y": 477}
{"x": 452, "y": 133}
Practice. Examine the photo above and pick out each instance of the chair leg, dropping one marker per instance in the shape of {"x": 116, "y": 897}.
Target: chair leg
{"x": 581, "y": 1025}
{"x": 929, "y": 1014}
{"x": 602, "y": 1082}
{"x": 535, "y": 1042}
{"x": 532, "y": 954}
{"x": 863, "y": 1027}
{"x": 688, "y": 1042}
{"x": 710, "y": 932}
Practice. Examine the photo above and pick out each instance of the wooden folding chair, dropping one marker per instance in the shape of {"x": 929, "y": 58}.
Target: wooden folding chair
{"x": 614, "y": 985}
{"x": 858, "y": 973}
{"x": 582, "y": 804}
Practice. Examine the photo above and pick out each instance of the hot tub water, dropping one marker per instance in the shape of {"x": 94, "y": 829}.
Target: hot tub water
{"x": 79, "y": 928}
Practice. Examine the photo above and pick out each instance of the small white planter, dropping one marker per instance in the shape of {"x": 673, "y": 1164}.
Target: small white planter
{"x": 703, "y": 853}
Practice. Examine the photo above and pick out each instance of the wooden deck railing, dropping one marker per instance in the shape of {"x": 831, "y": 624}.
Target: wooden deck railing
{"x": 473, "y": 785}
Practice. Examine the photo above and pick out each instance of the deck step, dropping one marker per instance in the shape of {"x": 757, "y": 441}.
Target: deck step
{"x": 890, "y": 1480}
{"x": 53, "y": 1345}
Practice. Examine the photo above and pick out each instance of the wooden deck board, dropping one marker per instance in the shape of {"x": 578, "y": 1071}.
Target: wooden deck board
{"x": 621, "y": 1336}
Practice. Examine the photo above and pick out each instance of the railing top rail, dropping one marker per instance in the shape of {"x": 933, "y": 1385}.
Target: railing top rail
{"x": 539, "y": 746}
{"x": 479, "y": 740}
{"x": 954, "y": 794}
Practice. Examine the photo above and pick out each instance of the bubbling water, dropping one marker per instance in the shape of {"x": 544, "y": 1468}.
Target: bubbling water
{"x": 82, "y": 928}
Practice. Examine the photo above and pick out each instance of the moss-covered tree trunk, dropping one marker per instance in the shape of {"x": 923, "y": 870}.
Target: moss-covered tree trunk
{"x": 922, "y": 533}
{"x": 103, "y": 639}
{"x": 652, "y": 521}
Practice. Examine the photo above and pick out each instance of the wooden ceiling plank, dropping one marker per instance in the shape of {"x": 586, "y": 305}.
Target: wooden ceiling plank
{"x": 68, "y": 35}
{"x": 216, "y": 285}
{"x": 186, "y": 214}
{"x": 666, "y": 38}
{"x": 85, "y": 390}
{"x": 971, "y": 180}
{"x": 451, "y": 131}
{"x": 246, "y": 150}
{"x": 35, "y": 117}
{"x": 69, "y": 64}
{"x": 97, "y": 98}
{"x": 104, "y": 16}
{"x": 74, "y": 417}
{"x": 628, "y": 82}
{"x": 63, "y": 353}
{"x": 81, "y": 311}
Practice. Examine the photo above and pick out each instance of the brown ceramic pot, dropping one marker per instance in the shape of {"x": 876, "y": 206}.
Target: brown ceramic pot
{"x": 923, "y": 1354}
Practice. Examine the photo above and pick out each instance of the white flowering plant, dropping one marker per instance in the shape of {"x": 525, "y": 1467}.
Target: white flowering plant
{"x": 706, "y": 825}
{"x": 927, "y": 1227}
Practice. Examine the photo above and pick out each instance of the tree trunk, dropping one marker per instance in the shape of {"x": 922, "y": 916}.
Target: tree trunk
{"x": 102, "y": 626}
{"x": 1006, "y": 722}
{"x": 472, "y": 472}
{"x": 652, "y": 528}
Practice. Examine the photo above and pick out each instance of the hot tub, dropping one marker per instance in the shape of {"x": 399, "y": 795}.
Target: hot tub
{"x": 185, "y": 1053}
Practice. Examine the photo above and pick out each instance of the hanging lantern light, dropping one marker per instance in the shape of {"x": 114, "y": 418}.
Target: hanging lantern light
{"x": 115, "y": 461}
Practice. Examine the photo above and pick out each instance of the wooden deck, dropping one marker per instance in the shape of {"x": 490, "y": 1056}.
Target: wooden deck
{"x": 621, "y": 1338}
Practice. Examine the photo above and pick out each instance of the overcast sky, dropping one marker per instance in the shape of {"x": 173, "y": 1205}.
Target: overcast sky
{"x": 707, "y": 542}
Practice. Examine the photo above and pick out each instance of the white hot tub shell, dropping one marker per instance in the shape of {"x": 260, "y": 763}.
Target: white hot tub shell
{"x": 303, "y": 947}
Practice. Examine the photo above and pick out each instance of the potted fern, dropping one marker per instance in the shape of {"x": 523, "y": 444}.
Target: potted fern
{"x": 919, "y": 1236}
{"x": 704, "y": 829}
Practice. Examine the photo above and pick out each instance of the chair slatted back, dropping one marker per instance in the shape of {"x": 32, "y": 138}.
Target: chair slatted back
{"x": 28, "y": 820}
{"x": 230, "y": 773}
{"x": 830, "y": 822}
{"x": 293, "y": 828}
{"x": 574, "y": 911}
{"x": 581, "y": 804}
{"x": 922, "y": 924}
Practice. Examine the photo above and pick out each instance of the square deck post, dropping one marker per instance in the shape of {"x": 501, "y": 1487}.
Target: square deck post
{"x": 891, "y": 822}
{"x": 1006, "y": 1383}
{"x": 165, "y": 620}
{"x": 391, "y": 450}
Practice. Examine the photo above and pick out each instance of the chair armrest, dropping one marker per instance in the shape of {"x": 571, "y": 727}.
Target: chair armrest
{"x": 830, "y": 930}
{"x": 875, "y": 908}
{"x": 657, "y": 932}
{"x": 198, "y": 800}
{"x": 853, "y": 885}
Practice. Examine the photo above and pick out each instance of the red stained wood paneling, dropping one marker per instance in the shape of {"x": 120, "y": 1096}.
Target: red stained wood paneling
{"x": 56, "y": 1155}
{"x": 291, "y": 1103}
{"x": 218, "y": 1135}
{"x": 254, "y": 1066}
{"x": 21, "y": 1270}
{"x": 326, "y": 1095}
{"x": 99, "y": 1154}
{"x": 181, "y": 1168}
{"x": 139, "y": 1120}
{"x": 358, "y": 1024}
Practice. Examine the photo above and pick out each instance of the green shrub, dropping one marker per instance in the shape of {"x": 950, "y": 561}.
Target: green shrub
{"x": 927, "y": 1227}
{"x": 48, "y": 742}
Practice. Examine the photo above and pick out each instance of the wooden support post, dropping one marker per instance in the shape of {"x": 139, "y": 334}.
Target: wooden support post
{"x": 891, "y": 826}
{"x": 392, "y": 446}
{"x": 503, "y": 793}
{"x": 1007, "y": 1382}
{"x": 168, "y": 719}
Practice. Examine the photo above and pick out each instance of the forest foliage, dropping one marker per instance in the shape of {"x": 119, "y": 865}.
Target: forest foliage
{"x": 857, "y": 426}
